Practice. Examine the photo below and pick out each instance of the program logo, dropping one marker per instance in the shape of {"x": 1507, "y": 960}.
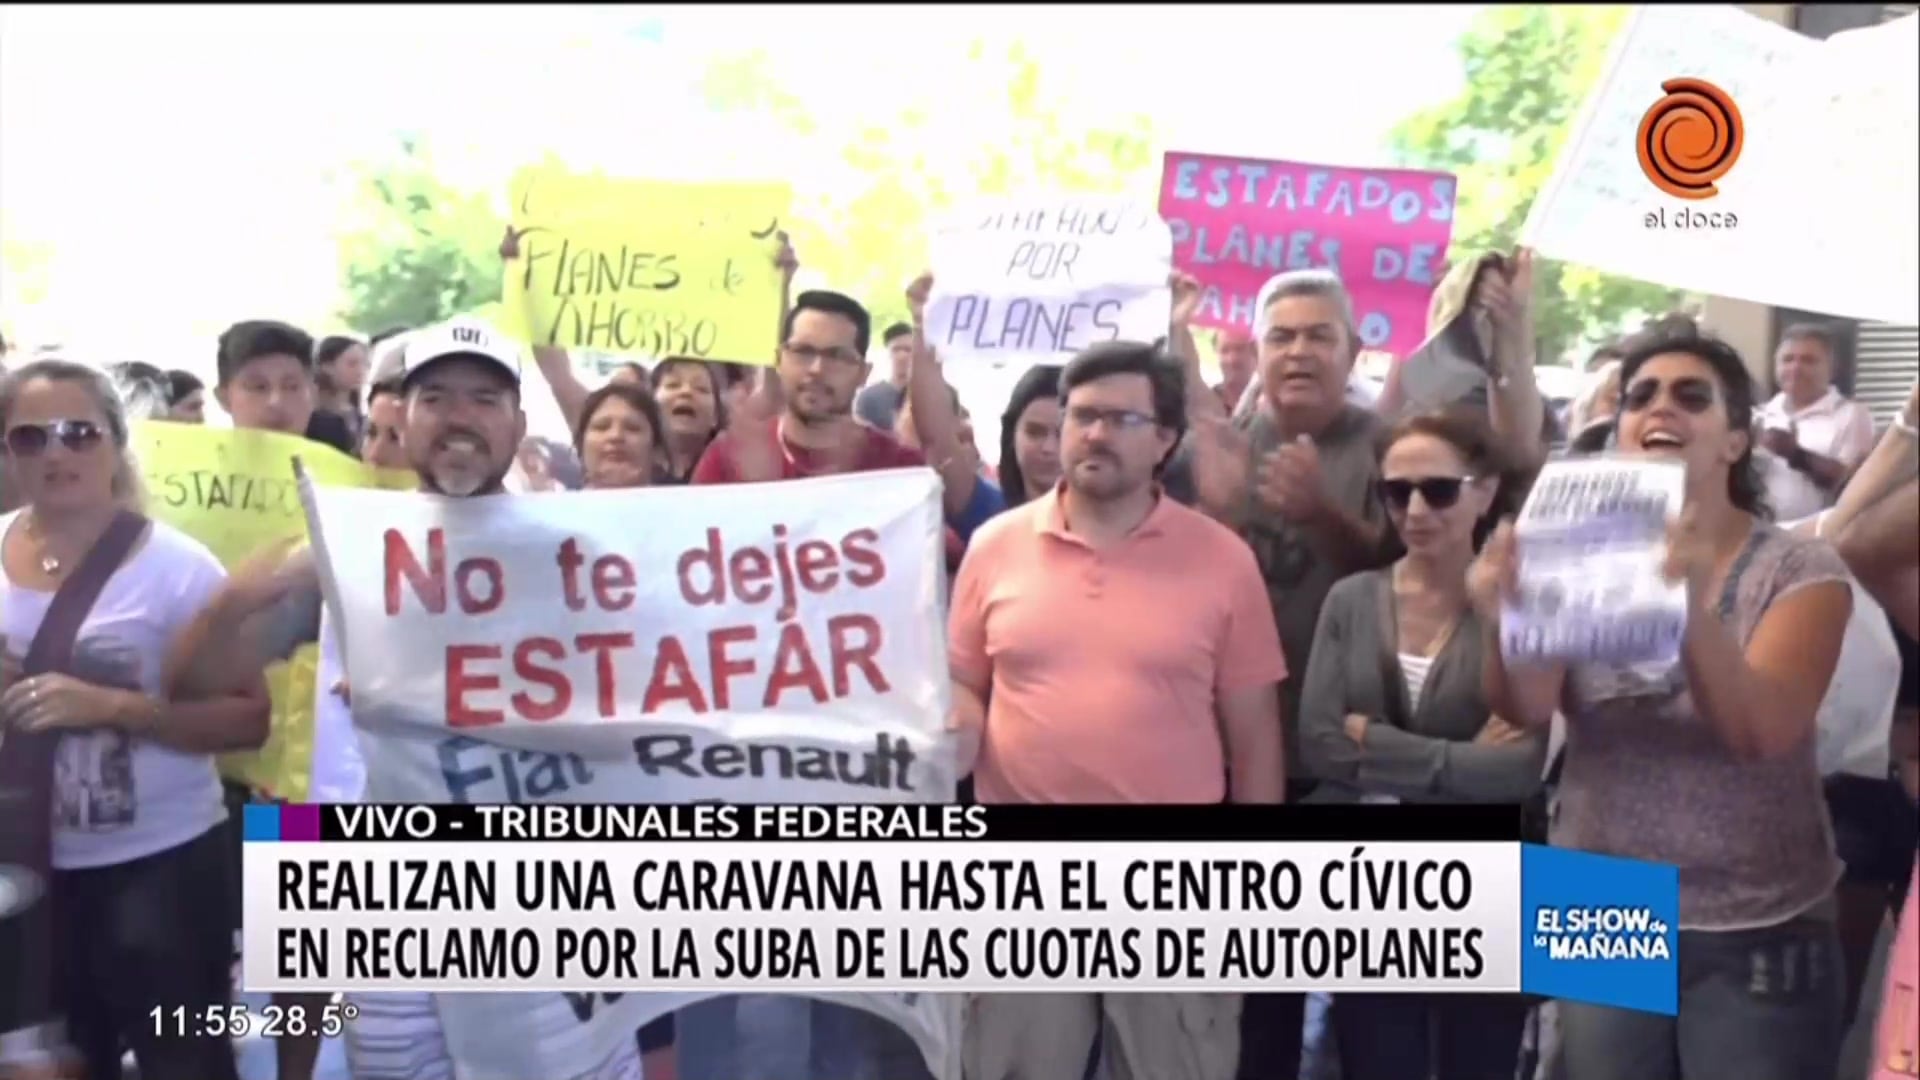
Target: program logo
{"x": 1690, "y": 138}
{"x": 1600, "y": 933}
{"x": 1599, "y": 929}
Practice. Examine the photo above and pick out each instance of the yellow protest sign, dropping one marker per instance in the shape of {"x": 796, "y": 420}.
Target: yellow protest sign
{"x": 548, "y": 193}
{"x": 647, "y": 268}
{"x": 235, "y": 492}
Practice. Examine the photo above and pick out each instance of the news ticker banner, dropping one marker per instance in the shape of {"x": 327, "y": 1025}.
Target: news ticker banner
{"x": 868, "y": 899}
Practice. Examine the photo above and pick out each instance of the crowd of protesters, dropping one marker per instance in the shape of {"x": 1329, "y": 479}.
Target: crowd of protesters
{"x": 1273, "y": 589}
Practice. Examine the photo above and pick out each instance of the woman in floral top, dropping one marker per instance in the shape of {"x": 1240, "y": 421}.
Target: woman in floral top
{"x": 1707, "y": 764}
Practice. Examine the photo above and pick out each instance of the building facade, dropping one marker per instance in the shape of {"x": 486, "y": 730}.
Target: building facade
{"x": 1879, "y": 361}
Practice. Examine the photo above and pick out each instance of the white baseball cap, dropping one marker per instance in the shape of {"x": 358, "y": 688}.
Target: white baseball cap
{"x": 457, "y": 337}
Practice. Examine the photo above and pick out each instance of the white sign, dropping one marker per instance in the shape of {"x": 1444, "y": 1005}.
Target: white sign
{"x": 339, "y": 773}
{"x": 1593, "y": 548}
{"x": 1020, "y": 282}
{"x": 753, "y": 643}
{"x": 1817, "y": 212}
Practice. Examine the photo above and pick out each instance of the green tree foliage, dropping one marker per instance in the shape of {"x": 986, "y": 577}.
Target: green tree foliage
{"x": 1528, "y": 70}
{"x": 424, "y": 252}
{"x": 25, "y": 267}
{"x": 869, "y": 238}
{"x": 421, "y": 251}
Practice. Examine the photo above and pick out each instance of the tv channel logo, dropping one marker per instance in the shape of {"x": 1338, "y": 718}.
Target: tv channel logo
{"x": 1690, "y": 138}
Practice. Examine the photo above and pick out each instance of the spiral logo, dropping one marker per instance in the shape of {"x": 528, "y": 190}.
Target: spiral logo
{"x": 1690, "y": 138}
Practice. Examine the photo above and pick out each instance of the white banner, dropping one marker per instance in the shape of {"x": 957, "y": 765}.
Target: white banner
{"x": 1818, "y": 212}
{"x": 339, "y": 772}
{"x": 940, "y": 917}
{"x": 1031, "y": 281}
{"x": 752, "y": 643}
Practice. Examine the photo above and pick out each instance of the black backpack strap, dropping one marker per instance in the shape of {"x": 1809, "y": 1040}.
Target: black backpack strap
{"x": 52, "y": 648}
{"x": 26, "y": 788}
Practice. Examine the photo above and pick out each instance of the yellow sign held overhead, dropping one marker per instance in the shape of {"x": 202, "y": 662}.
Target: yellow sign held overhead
{"x": 646, "y": 268}
{"x": 235, "y": 492}
{"x": 546, "y": 194}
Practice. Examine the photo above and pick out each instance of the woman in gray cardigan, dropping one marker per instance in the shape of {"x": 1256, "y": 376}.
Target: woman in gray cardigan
{"x": 1392, "y": 711}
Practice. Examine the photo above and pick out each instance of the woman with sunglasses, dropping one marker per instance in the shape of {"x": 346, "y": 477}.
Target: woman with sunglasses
{"x": 1393, "y": 711}
{"x": 139, "y": 866}
{"x": 1707, "y": 764}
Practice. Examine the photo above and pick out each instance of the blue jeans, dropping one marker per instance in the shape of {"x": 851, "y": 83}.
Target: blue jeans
{"x": 1270, "y": 1035}
{"x": 775, "y": 1037}
{"x": 1414, "y": 1036}
{"x": 1754, "y": 1004}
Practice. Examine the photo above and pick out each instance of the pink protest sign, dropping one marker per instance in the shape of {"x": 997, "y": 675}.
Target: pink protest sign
{"x": 1237, "y": 222}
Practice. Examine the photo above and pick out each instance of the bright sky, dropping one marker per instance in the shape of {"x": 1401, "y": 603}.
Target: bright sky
{"x": 183, "y": 165}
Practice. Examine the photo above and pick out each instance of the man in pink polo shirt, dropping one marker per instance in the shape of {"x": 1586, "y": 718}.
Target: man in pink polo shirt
{"x": 1109, "y": 645}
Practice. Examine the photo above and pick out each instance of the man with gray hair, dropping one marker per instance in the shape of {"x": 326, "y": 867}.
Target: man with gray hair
{"x": 1294, "y": 475}
{"x": 1359, "y": 392}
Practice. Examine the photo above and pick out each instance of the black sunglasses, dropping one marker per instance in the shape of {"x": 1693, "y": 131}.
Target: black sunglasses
{"x": 1438, "y": 492}
{"x": 1691, "y": 393}
{"x": 28, "y": 440}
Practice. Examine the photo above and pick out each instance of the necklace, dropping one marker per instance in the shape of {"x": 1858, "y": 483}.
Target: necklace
{"x": 1443, "y": 630}
{"x": 50, "y": 564}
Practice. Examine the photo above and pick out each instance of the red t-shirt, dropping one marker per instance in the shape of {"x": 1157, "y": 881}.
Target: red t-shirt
{"x": 879, "y": 450}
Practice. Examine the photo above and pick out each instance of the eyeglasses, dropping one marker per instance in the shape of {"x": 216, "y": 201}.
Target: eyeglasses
{"x": 29, "y": 440}
{"x": 1438, "y": 492}
{"x": 1086, "y": 416}
{"x": 805, "y": 355}
{"x": 1694, "y": 394}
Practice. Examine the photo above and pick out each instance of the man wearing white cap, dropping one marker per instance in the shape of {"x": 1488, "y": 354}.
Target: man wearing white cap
{"x": 461, "y": 386}
{"x": 460, "y": 390}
